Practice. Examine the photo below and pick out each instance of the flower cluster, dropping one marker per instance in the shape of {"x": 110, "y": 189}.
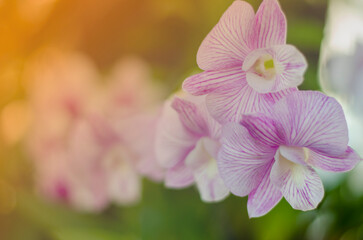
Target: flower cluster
{"x": 248, "y": 130}
{"x": 84, "y": 152}
{"x": 239, "y": 127}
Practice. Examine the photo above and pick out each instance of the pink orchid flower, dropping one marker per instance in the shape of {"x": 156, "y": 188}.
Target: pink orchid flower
{"x": 132, "y": 105}
{"x": 247, "y": 64}
{"x": 130, "y": 89}
{"x": 271, "y": 155}
{"x": 100, "y": 159}
{"x": 85, "y": 150}
{"x": 61, "y": 88}
{"x": 68, "y": 169}
{"x": 89, "y": 169}
{"x": 187, "y": 142}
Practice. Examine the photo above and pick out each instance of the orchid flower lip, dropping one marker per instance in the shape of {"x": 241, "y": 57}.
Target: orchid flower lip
{"x": 293, "y": 154}
{"x": 212, "y": 168}
{"x": 264, "y": 67}
{"x": 205, "y": 147}
{"x": 274, "y": 68}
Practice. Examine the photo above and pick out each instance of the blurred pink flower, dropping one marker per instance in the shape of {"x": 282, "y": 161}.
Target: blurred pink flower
{"x": 131, "y": 104}
{"x": 247, "y": 64}
{"x": 187, "y": 142}
{"x": 84, "y": 139}
{"x": 140, "y": 134}
{"x": 129, "y": 89}
{"x": 271, "y": 155}
{"x": 61, "y": 87}
{"x": 97, "y": 150}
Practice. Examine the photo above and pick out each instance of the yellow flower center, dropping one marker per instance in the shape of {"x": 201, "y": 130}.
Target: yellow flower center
{"x": 265, "y": 67}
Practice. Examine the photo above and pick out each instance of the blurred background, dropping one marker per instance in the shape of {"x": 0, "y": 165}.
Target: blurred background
{"x": 166, "y": 35}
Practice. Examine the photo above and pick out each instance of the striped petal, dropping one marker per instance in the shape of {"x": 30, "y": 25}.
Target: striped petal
{"x": 292, "y": 66}
{"x": 300, "y": 185}
{"x": 263, "y": 198}
{"x": 209, "y": 81}
{"x": 190, "y": 116}
{"x": 312, "y": 120}
{"x": 343, "y": 163}
{"x": 269, "y": 25}
{"x": 229, "y": 105}
{"x": 242, "y": 161}
{"x": 263, "y": 129}
{"x": 172, "y": 142}
{"x": 228, "y": 42}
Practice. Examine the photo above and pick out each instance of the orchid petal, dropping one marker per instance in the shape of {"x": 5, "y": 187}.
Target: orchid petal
{"x": 195, "y": 117}
{"x": 270, "y": 25}
{"x": 229, "y": 105}
{"x": 198, "y": 156}
{"x": 293, "y": 66}
{"x": 190, "y": 116}
{"x": 209, "y": 81}
{"x": 179, "y": 176}
{"x": 263, "y": 129}
{"x": 262, "y": 199}
{"x": 124, "y": 186}
{"x": 342, "y": 163}
{"x": 228, "y": 42}
{"x": 212, "y": 147}
{"x": 123, "y": 182}
{"x": 300, "y": 185}
{"x": 242, "y": 161}
{"x": 172, "y": 142}
{"x": 209, "y": 183}
{"x": 205, "y": 150}
{"x": 313, "y": 120}
{"x": 138, "y": 132}
{"x": 204, "y": 165}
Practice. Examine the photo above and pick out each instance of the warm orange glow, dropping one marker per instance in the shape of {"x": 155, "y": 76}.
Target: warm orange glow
{"x": 15, "y": 119}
